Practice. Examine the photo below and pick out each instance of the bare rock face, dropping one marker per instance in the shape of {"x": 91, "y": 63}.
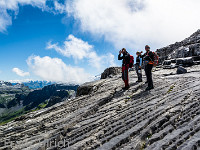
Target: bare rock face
{"x": 110, "y": 72}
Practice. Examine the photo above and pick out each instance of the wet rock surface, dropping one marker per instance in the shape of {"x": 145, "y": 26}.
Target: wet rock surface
{"x": 167, "y": 117}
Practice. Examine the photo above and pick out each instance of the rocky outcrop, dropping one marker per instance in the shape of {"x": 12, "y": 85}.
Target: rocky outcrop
{"x": 190, "y": 47}
{"x": 110, "y": 72}
{"x": 167, "y": 117}
{"x": 88, "y": 88}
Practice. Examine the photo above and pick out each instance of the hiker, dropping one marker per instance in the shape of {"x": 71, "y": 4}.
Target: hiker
{"x": 125, "y": 66}
{"x": 138, "y": 66}
{"x": 148, "y": 59}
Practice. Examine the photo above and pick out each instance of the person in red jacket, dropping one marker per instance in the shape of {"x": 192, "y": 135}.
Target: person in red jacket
{"x": 125, "y": 65}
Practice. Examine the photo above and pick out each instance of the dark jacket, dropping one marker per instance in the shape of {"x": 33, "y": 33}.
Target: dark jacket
{"x": 125, "y": 57}
{"x": 148, "y": 56}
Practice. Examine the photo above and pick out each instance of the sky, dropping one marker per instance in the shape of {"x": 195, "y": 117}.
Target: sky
{"x": 72, "y": 41}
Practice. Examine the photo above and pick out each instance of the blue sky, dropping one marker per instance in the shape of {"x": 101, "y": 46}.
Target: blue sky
{"x": 72, "y": 41}
{"x": 29, "y": 34}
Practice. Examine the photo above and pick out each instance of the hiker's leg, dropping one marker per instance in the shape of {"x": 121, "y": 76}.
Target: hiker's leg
{"x": 126, "y": 76}
{"x": 123, "y": 70}
{"x": 146, "y": 72}
{"x": 149, "y": 75}
{"x": 140, "y": 75}
{"x": 137, "y": 68}
{"x": 151, "y": 80}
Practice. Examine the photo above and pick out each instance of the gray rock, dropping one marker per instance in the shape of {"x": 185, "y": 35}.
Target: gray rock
{"x": 88, "y": 88}
{"x": 181, "y": 70}
{"x": 110, "y": 72}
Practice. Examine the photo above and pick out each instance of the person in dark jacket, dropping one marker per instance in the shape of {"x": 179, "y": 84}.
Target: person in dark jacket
{"x": 125, "y": 66}
{"x": 148, "y": 59}
{"x": 138, "y": 66}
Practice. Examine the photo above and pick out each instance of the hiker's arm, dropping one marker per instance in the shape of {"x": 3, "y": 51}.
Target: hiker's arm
{"x": 120, "y": 57}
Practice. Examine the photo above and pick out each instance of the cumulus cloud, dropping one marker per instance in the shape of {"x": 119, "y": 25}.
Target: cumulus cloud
{"x": 20, "y": 72}
{"x": 13, "y": 6}
{"x": 79, "y": 50}
{"x": 135, "y": 23}
{"x": 54, "y": 69}
{"x": 74, "y": 47}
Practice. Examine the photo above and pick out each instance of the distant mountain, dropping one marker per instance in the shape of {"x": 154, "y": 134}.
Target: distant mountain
{"x": 35, "y": 84}
{"x": 8, "y": 92}
{"x": 17, "y": 99}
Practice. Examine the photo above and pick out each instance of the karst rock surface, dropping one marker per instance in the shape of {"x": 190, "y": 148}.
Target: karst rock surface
{"x": 107, "y": 117}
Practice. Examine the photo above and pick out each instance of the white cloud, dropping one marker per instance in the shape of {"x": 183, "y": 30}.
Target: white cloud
{"x": 135, "y": 23}
{"x": 20, "y": 72}
{"x": 79, "y": 50}
{"x": 54, "y": 69}
{"x": 74, "y": 47}
{"x": 13, "y": 6}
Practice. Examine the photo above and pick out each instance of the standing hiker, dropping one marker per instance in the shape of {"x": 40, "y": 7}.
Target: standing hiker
{"x": 138, "y": 66}
{"x": 148, "y": 59}
{"x": 125, "y": 66}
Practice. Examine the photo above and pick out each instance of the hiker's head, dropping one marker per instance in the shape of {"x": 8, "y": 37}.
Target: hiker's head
{"x": 123, "y": 50}
{"x": 147, "y": 47}
{"x": 137, "y": 53}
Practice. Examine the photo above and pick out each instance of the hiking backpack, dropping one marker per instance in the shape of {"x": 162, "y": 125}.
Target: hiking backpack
{"x": 156, "y": 59}
{"x": 131, "y": 61}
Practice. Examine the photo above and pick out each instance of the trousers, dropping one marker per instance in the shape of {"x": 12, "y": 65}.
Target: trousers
{"x": 148, "y": 72}
{"x": 125, "y": 75}
{"x": 139, "y": 72}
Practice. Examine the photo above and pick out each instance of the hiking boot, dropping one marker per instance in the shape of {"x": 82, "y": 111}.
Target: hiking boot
{"x": 149, "y": 88}
{"x": 126, "y": 87}
{"x": 146, "y": 82}
{"x": 139, "y": 81}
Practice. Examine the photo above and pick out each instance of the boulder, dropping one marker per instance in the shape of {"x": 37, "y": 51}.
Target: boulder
{"x": 84, "y": 90}
{"x": 88, "y": 88}
{"x": 181, "y": 70}
{"x": 110, "y": 72}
